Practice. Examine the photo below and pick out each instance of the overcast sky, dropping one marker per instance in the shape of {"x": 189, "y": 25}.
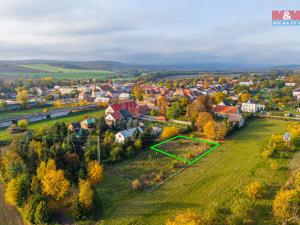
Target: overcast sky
{"x": 148, "y": 31}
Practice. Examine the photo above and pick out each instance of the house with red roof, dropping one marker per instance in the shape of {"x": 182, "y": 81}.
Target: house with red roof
{"x": 225, "y": 111}
{"x": 123, "y": 111}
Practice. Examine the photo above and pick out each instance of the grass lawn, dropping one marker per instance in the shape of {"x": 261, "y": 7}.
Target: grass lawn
{"x": 5, "y": 135}
{"x": 13, "y": 113}
{"x": 184, "y": 148}
{"x": 217, "y": 178}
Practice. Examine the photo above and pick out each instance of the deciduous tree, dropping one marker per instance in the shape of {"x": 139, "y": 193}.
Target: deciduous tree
{"x": 85, "y": 193}
{"x": 169, "y": 132}
{"x": 95, "y": 172}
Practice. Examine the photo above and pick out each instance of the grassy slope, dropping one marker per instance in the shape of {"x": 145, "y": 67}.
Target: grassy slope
{"x": 215, "y": 178}
{"x": 5, "y": 135}
{"x": 63, "y": 73}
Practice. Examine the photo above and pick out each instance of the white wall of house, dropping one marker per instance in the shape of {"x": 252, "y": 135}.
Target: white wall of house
{"x": 249, "y": 107}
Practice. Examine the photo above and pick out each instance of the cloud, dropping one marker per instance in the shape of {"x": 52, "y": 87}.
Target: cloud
{"x": 140, "y": 31}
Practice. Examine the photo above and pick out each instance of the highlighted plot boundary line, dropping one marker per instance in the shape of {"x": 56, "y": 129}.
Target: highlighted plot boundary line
{"x": 189, "y": 162}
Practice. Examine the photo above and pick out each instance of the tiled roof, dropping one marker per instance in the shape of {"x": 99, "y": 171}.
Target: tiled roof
{"x": 224, "y": 109}
{"x": 125, "y": 105}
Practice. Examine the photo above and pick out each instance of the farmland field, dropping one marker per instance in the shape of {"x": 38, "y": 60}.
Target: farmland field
{"x": 217, "y": 178}
{"x": 57, "y": 69}
{"x": 57, "y": 72}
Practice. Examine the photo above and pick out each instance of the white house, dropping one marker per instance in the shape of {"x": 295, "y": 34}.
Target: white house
{"x": 124, "y": 96}
{"x": 124, "y": 135}
{"x": 290, "y": 84}
{"x": 246, "y": 83}
{"x": 296, "y": 92}
{"x": 252, "y": 107}
{"x": 236, "y": 119}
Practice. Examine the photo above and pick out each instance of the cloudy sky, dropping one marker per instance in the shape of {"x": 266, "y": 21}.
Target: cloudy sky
{"x": 148, "y": 31}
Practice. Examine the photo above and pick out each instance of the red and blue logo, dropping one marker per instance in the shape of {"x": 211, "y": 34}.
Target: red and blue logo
{"x": 286, "y": 17}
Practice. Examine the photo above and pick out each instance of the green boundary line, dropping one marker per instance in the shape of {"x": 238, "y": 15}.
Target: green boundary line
{"x": 189, "y": 162}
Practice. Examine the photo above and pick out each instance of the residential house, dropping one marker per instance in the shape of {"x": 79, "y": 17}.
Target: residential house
{"x": 224, "y": 110}
{"x": 83, "y": 95}
{"x": 296, "y": 92}
{"x": 252, "y": 107}
{"x": 246, "y": 83}
{"x": 236, "y": 119}
{"x": 125, "y": 135}
{"x": 290, "y": 84}
{"x": 131, "y": 106}
{"x": 75, "y": 127}
{"x": 116, "y": 116}
{"x": 124, "y": 96}
{"x": 88, "y": 123}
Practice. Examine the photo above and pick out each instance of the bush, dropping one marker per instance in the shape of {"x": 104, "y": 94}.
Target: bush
{"x": 241, "y": 212}
{"x": 187, "y": 217}
{"x": 136, "y": 185}
{"x": 254, "y": 190}
{"x": 169, "y": 132}
{"x": 23, "y": 124}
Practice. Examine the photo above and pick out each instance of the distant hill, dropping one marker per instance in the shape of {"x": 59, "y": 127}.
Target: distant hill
{"x": 17, "y": 66}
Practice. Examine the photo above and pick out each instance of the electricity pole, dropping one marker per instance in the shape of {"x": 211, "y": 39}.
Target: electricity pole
{"x": 98, "y": 149}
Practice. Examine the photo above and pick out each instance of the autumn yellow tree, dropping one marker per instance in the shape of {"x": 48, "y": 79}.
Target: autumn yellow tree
{"x": 169, "y": 132}
{"x": 188, "y": 217}
{"x": 138, "y": 92}
{"x": 53, "y": 181}
{"x": 85, "y": 193}
{"x": 202, "y": 119}
{"x": 22, "y": 96}
{"x": 219, "y": 97}
{"x": 245, "y": 97}
{"x": 55, "y": 184}
{"x": 23, "y": 124}
{"x": 294, "y": 129}
{"x": 11, "y": 192}
{"x": 17, "y": 190}
{"x": 201, "y": 104}
{"x": 254, "y": 190}
{"x": 162, "y": 104}
{"x": 95, "y": 172}
{"x": 44, "y": 167}
{"x": 210, "y": 129}
{"x": 58, "y": 103}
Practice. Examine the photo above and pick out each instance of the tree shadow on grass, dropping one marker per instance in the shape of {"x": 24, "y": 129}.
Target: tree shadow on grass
{"x": 141, "y": 209}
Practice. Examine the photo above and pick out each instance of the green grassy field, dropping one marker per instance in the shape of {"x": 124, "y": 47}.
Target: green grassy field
{"x": 56, "y": 69}
{"x": 217, "y": 178}
{"x": 13, "y": 113}
{"x": 63, "y": 73}
{"x": 5, "y": 135}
